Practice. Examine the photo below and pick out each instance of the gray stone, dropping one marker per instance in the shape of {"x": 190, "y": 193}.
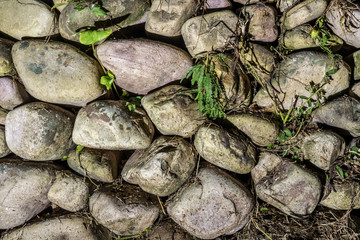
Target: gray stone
{"x": 167, "y": 230}
{"x": 225, "y": 150}
{"x": 69, "y": 192}
{"x": 12, "y": 93}
{"x": 6, "y": 63}
{"x": 39, "y": 131}
{"x": 167, "y": 17}
{"x": 23, "y": 191}
{"x": 100, "y": 165}
{"x": 210, "y": 32}
{"x": 285, "y": 185}
{"x": 69, "y": 227}
{"x": 4, "y": 149}
{"x": 356, "y": 56}
{"x": 303, "y": 12}
{"x": 72, "y": 20}
{"x": 218, "y": 4}
{"x": 342, "y": 113}
{"x": 355, "y": 90}
{"x": 344, "y": 22}
{"x": 323, "y": 148}
{"x": 343, "y": 196}
{"x": 295, "y": 74}
{"x": 211, "y": 205}
{"x": 33, "y": 19}
{"x": 163, "y": 167}
{"x": 57, "y": 72}
{"x": 143, "y": 65}
{"x": 128, "y": 211}
{"x": 3, "y": 114}
{"x": 111, "y": 125}
{"x": 173, "y": 112}
{"x": 262, "y": 22}
{"x": 285, "y": 5}
{"x": 262, "y": 131}
{"x": 300, "y": 38}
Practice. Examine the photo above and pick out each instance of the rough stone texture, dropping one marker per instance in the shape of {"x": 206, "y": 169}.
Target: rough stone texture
{"x": 4, "y": 150}
{"x": 262, "y": 25}
{"x": 202, "y": 206}
{"x": 39, "y": 131}
{"x": 208, "y": 32}
{"x": 343, "y": 196}
{"x": 287, "y": 4}
{"x": 163, "y": 167}
{"x": 6, "y": 63}
{"x": 167, "y": 17}
{"x": 34, "y": 19}
{"x": 355, "y": 90}
{"x": 300, "y": 38}
{"x": 173, "y": 113}
{"x": 348, "y": 30}
{"x": 143, "y": 65}
{"x": 72, "y": 20}
{"x": 69, "y": 192}
{"x": 252, "y": 1}
{"x": 262, "y": 61}
{"x": 111, "y": 125}
{"x": 323, "y": 148}
{"x": 57, "y": 72}
{"x": 3, "y": 114}
{"x": 23, "y": 191}
{"x": 12, "y": 93}
{"x": 127, "y": 212}
{"x": 69, "y": 227}
{"x": 218, "y": 4}
{"x": 303, "y": 12}
{"x": 260, "y": 130}
{"x": 280, "y": 183}
{"x": 342, "y": 113}
{"x": 356, "y": 56}
{"x": 100, "y": 165}
{"x": 294, "y": 74}
{"x": 225, "y": 150}
{"x": 168, "y": 230}
{"x": 60, "y": 8}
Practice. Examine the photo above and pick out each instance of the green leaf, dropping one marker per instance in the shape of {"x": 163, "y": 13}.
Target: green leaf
{"x": 263, "y": 209}
{"x": 92, "y": 36}
{"x": 79, "y": 7}
{"x": 271, "y": 145}
{"x": 288, "y": 133}
{"x": 295, "y": 149}
{"x": 354, "y": 148}
{"x": 340, "y": 171}
{"x": 107, "y": 81}
{"x": 332, "y": 71}
{"x": 64, "y": 158}
{"x": 99, "y": 11}
{"x": 314, "y": 33}
{"x": 79, "y": 148}
{"x": 58, "y": 5}
{"x": 296, "y": 157}
{"x": 303, "y": 97}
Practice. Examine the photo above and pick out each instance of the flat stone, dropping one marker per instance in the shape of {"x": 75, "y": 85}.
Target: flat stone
{"x": 173, "y": 113}
{"x": 166, "y": 18}
{"x": 141, "y": 66}
{"x": 225, "y": 150}
{"x": 110, "y": 125}
{"x": 201, "y": 206}
{"x": 343, "y": 196}
{"x": 12, "y": 93}
{"x": 57, "y": 72}
{"x": 39, "y": 131}
{"x": 163, "y": 167}
{"x": 6, "y": 63}
{"x": 209, "y": 32}
{"x": 33, "y": 19}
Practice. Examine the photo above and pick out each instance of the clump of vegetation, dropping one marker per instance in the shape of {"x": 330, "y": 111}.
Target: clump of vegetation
{"x": 80, "y": 5}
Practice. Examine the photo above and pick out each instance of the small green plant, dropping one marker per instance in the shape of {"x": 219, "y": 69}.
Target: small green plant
{"x": 210, "y": 95}
{"x": 80, "y": 5}
{"x": 140, "y": 235}
{"x": 341, "y": 172}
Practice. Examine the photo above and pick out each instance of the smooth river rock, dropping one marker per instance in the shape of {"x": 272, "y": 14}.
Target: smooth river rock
{"x": 57, "y": 72}
{"x": 12, "y": 93}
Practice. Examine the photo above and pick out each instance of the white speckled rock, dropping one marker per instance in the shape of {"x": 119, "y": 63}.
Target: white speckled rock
{"x": 12, "y": 93}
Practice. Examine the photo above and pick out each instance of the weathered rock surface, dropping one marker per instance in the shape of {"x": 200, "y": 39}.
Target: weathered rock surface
{"x": 39, "y": 131}
{"x": 69, "y": 192}
{"x": 143, "y": 65}
{"x": 209, "y": 32}
{"x": 60, "y": 8}
{"x": 218, "y": 4}
{"x": 100, "y": 165}
{"x": 23, "y": 191}
{"x": 286, "y": 4}
{"x": 343, "y": 196}
{"x": 262, "y": 25}
{"x": 6, "y": 63}
{"x": 279, "y": 183}
{"x": 69, "y": 227}
{"x": 167, "y": 18}
{"x": 4, "y": 150}
{"x": 57, "y": 72}
{"x": 173, "y": 112}
{"x": 294, "y": 75}
{"x": 127, "y": 211}
{"x": 342, "y": 113}
{"x": 34, "y": 19}
{"x": 225, "y": 150}
{"x": 12, "y": 93}
{"x": 111, "y": 125}
{"x": 163, "y": 167}
{"x": 356, "y": 57}
{"x": 3, "y": 114}
{"x": 303, "y": 12}
{"x": 355, "y": 90}
{"x": 201, "y": 206}
{"x": 252, "y": 1}
{"x": 168, "y": 230}
{"x": 323, "y": 148}
{"x": 260, "y": 130}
